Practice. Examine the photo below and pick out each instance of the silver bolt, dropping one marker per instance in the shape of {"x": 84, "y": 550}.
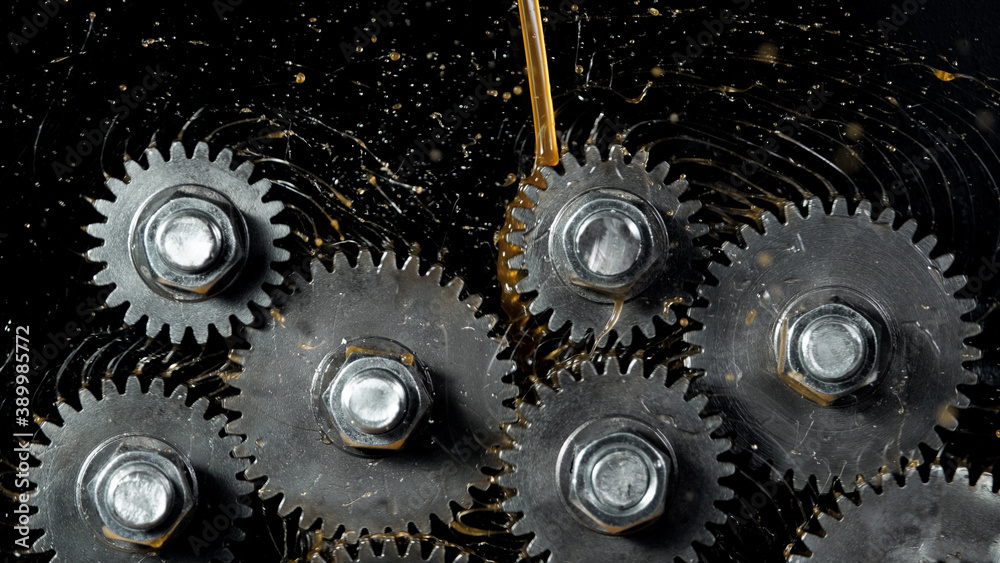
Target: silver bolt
{"x": 140, "y": 496}
{"x": 375, "y": 400}
{"x": 608, "y": 242}
{"x": 620, "y": 478}
{"x": 189, "y": 241}
{"x": 832, "y": 347}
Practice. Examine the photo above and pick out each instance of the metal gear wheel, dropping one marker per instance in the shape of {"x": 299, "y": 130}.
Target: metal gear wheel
{"x": 559, "y": 435}
{"x": 121, "y": 431}
{"x": 300, "y": 379}
{"x": 390, "y": 554}
{"x": 933, "y": 521}
{"x": 833, "y": 344}
{"x": 605, "y": 230}
{"x": 188, "y": 242}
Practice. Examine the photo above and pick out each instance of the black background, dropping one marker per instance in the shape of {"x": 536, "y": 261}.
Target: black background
{"x": 271, "y": 81}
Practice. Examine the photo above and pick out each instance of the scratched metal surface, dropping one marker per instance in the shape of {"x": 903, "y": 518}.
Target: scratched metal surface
{"x": 417, "y": 140}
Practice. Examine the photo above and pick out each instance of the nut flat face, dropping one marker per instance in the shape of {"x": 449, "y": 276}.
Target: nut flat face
{"x": 375, "y": 395}
{"x": 618, "y": 480}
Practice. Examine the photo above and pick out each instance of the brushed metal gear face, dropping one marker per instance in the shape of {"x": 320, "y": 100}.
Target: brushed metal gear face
{"x": 656, "y": 291}
{"x": 540, "y": 437}
{"x": 279, "y": 413}
{"x": 138, "y": 413}
{"x": 839, "y": 256}
{"x": 200, "y": 171}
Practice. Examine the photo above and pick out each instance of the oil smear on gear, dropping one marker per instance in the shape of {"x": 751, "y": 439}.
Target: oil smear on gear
{"x": 138, "y": 475}
{"x": 833, "y": 343}
{"x": 188, "y": 242}
{"x": 607, "y": 246}
{"x": 372, "y": 421}
{"x": 939, "y": 519}
{"x": 614, "y": 465}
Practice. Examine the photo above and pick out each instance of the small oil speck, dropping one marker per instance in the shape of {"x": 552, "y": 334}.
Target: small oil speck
{"x": 764, "y": 259}
{"x": 574, "y": 8}
{"x": 674, "y": 118}
{"x": 750, "y": 317}
{"x": 493, "y": 93}
{"x": 656, "y": 71}
{"x": 579, "y": 69}
{"x": 510, "y": 179}
{"x": 517, "y": 90}
{"x": 945, "y": 76}
{"x": 300, "y": 78}
{"x": 92, "y": 16}
{"x": 435, "y": 155}
{"x": 397, "y": 106}
{"x": 394, "y": 56}
{"x": 853, "y": 131}
{"x": 654, "y": 12}
{"x": 506, "y": 96}
{"x": 122, "y": 87}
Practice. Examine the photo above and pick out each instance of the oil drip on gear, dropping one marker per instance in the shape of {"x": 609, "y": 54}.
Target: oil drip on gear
{"x": 939, "y": 520}
{"x": 374, "y": 401}
{"x": 188, "y": 242}
{"x": 138, "y": 476}
{"x": 607, "y": 240}
{"x": 390, "y": 553}
{"x": 614, "y": 466}
{"x": 833, "y": 344}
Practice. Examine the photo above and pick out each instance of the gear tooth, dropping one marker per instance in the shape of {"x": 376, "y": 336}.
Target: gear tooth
{"x": 591, "y": 155}
{"x": 224, "y": 159}
{"x": 641, "y": 158}
{"x": 154, "y": 157}
{"x": 104, "y": 277}
{"x": 388, "y": 260}
{"x": 200, "y": 332}
{"x": 686, "y": 209}
{"x": 927, "y": 244}
{"x": 411, "y": 265}
{"x": 104, "y": 207}
{"x": 864, "y": 208}
{"x": 944, "y": 262}
{"x": 117, "y": 186}
{"x": 87, "y": 398}
{"x": 577, "y": 331}
{"x": 813, "y": 205}
{"x": 712, "y": 423}
{"x": 66, "y": 411}
{"x": 516, "y": 262}
{"x": 244, "y": 170}
{"x": 909, "y": 228}
{"x": 696, "y": 230}
{"x": 201, "y": 151}
{"x": 770, "y": 222}
{"x": 474, "y": 301}
{"x": 367, "y": 553}
{"x": 524, "y": 215}
{"x": 612, "y": 367}
{"x": 840, "y": 207}
{"x": 550, "y": 176}
{"x": 133, "y": 168}
{"x": 886, "y": 217}
{"x": 176, "y": 332}
{"x": 617, "y": 154}
{"x": 954, "y": 284}
{"x": 177, "y": 151}
{"x": 132, "y": 387}
{"x": 659, "y": 174}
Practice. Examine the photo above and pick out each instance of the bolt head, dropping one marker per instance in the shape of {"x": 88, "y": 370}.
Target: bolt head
{"x": 829, "y": 351}
{"x": 377, "y": 401}
{"x": 608, "y": 242}
{"x": 142, "y": 495}
{"x": 189, "y": 242}
{"x": 619, "y": 482}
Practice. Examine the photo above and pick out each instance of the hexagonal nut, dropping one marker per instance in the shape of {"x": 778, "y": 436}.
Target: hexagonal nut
{"x": 212, "y": 212}
{"x": 418, "y": 401}
{"x": 794, "y": 375}
{"x": 170, "y": 464}
{"x": 648, "y": 508}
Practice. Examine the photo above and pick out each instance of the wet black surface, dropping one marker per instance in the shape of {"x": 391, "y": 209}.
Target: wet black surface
{"x": 417, "y": 139}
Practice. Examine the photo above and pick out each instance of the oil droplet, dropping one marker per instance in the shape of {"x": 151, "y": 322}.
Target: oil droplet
{"x": 435, "y": 155}
{"x": 510, "y": 179}
{"x": 945, "y": 76}
{"x": 506, "y": 95}
{"x": 397, "y": 106}
{"x": 122, "y": 87}
{"x": 767, "y": 53}
{"x": 574, "y": 8}
{"x": 394, "y": 56}
{"x": 750, "y": 317}
{"x": 853, "y": 131}
{"x": 674, "y": 118}
{"x": 517, "y": 90}
{"x": 93, "y": 16}
{"x": 764, "y": 259}
{"x": 656, "y": 71}
{"x": 579, "y": 69}
{"x": 300, "y": 78}
{"x": 654, "y": 12}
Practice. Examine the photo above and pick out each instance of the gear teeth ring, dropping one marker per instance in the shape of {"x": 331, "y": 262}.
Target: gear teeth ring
{"x": 133, "y": 414}
{"x": 308, "y": 454}
{"x": 247, "y": 268}
{"x": 366, "y": 552}
{"x": 939, "y": 520}
{"x": 613, "y": 208}
{"x": 580, "y": 414}
{"x": 844, "y": 425}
